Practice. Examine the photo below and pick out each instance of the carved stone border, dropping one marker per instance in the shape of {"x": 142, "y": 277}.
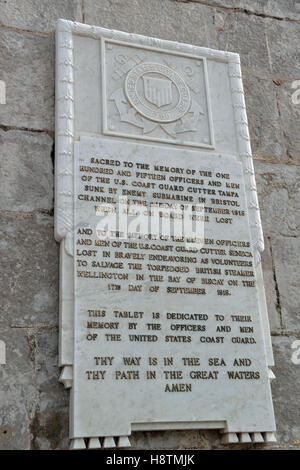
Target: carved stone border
{"x": 63, "y": 220}
{"x": 245, "y": 154}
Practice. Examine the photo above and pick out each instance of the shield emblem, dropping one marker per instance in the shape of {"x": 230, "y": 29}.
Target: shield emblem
{"x": 158, "y": 90}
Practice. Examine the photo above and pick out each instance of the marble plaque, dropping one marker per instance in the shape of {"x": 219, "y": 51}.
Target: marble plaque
{"x": 163, "y": 319}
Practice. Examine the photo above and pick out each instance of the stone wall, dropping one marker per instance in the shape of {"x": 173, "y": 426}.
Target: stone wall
{"x": 266, "y": 33}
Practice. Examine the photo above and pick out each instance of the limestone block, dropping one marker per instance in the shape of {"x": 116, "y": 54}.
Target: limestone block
{"x": 270, "y": 286}
{"x": 265, "y": 132}
{"x": 279, "y": 9}
{"x": 286, "y": 393}
{"x": 27, "y": 171}
{"x": 38, "y": 15}
{"x": 278, "y": 195}
{"x": 283, "y": 40}
{"x": 245, "y": 34}
{"x": 288, "y": 94}
{"x": 50, "y": 424}
{"x": 17, "y": 391}
{"x": 286, "y": 253}
{"x": 27, "y": 68}
{"x": 29, "y": 267}
{"x": 182, "y": 22}
{"x": 52, "y": 394}
{"x": 188, "y": 439}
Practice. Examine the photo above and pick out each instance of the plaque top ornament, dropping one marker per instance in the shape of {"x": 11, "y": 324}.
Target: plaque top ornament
{"x": 157, "y": 92}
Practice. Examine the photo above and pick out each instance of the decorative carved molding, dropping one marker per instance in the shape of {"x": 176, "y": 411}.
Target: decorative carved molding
{"x": 64, "y": 134}
{"x": 66, "y": 376}
{"x": 66, "y": 26}
{"x": 108, "y": 442}
{"x": 244, "y": 150}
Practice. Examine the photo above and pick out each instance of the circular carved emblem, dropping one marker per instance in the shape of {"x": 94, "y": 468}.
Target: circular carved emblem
{"x": 157, "y": 92}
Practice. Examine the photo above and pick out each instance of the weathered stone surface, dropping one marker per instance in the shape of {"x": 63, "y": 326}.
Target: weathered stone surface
{"x": 17, "y": 392}
{"x": 268, "y": 47}
{"x": 182, "y": 440}
{"x": 270, "y": 286}
{"x": 286, "y": 252}
{"x": 27, "y": 67}
{"x": 183, "y": 22}
{"x": 51, "y": 393}
{"x": 29, "y": 267}
{"x": 38, "y": 15}
{"x": 263, "y": 118}
{"x": 279, "y": 8}
{"x": 245, "y": 35}
{"x": 289, "y": 107}
{"x": 49, "y": 427}
{"x": 286, "y": 393}
{"x": 28, "y": 171}
{"x": 175, "y": 440}
{"x": 284, "y": 45}
{"x": 278, "y": 194}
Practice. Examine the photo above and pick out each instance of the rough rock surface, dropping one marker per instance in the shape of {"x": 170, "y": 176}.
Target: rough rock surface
{"x": 29, "y": 266}
{"x": 27, "y": 67}
{"x": 184, "y": 22}
{"x": 37, "y": 15}
{"x": 27, "y": 167}
{"x": 280, "y": 9}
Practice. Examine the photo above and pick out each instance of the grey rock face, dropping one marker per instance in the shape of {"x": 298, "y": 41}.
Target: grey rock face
{"x": 50, "y": 424}
{"x": 264, "y": 123}
{"x": 286, "y": 393}
{"x": 27, "y": 67}
{"x": 270, "y": 287}
{"x": 289, "y": 106}
{"x": 27, "y": 171}
{"x": 284, "y": 45}
{"x": 246, "y": 35}
{"x": 38, "y": 15}
{"x": 278, "y": 8}
{"x": 52, "y": 394}
{"x": 183, "y": 22}
{"x": 287, "y": 260}
{"x": 175, "y": 440}
{"x": 17, "y": 390}
{"x": 29, "y": 267}
{"x": 278, "y": 194}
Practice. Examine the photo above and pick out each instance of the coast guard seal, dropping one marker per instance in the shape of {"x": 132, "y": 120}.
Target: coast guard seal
{"x": 157, "y": 92}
